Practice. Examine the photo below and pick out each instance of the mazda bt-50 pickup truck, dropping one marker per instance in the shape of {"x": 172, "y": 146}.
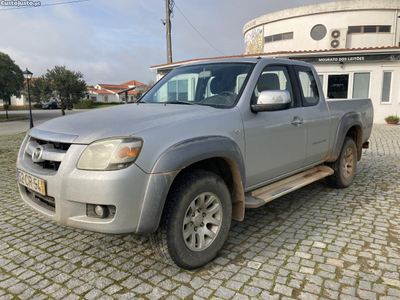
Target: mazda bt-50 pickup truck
{"x": 205, "y": 143}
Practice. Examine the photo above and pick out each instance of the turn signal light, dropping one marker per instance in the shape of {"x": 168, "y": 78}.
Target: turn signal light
{"x": 128, "y": 152}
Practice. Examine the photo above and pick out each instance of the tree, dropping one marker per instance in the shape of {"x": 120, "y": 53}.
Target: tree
{"x": 41, "y": 90}
{"x": 11, "y": 79}
{"x": 139, "y": 94}
{"x": 150, "y": 84}
{"x": 68, "y": 85}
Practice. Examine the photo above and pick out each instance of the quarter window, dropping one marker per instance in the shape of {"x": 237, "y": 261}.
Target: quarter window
{"x": 308, "y": 86}
{"x": 321, "y": 79}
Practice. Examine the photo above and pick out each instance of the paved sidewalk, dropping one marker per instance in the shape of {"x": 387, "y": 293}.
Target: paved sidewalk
{"x": 316, "y": 243}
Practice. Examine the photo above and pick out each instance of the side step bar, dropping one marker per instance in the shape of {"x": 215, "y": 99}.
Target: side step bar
{"x": 282, "y": 187}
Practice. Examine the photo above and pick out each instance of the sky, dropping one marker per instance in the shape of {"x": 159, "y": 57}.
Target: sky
{"x": 115, "y": 41}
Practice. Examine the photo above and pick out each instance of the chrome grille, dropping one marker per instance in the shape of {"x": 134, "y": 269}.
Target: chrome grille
{"x": 46, "y": 154}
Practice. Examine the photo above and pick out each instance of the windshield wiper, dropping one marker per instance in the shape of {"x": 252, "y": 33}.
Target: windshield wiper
{"x": 140, "y": 101}
{"x": 181, "y": 102}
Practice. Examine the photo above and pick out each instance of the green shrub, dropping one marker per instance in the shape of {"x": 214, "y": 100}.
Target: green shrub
{"x": 84, "y": 104}
{"x": 6, "y": 106}
{"x": 392, "y": 118}
{"x": 96, "y": 104}
{"x": 37, "y": 105}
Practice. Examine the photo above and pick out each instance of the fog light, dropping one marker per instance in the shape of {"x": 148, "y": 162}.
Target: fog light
{"x": 102, "y": 211}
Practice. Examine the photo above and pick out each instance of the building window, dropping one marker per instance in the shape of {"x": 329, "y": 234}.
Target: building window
{"x": 318, "y": 32}
{"x": 94, "y": 98}
{"x": 386, "y": 29}
{"x": 279, "y": 37}
{"x": 361, "y": 85}
{"x": 105, "y": 98}
{"x": 369, "y": 29}
{"x": 178, "y": 90}
{"x": 386, "y": 88}
{"x": 338, "y": 86}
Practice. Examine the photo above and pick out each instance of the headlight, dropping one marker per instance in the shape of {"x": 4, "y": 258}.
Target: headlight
{"x": 110, "y": 154}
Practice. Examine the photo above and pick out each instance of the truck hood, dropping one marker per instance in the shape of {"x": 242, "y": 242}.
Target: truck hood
{"x": 121, "y": 120}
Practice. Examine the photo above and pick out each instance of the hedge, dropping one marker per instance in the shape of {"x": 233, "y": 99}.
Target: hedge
{"x": 106, "y": 103}
{"x": 84, "y": 104}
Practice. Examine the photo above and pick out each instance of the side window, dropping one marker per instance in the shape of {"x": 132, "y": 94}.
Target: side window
{"x": 308, "y": 86}
{"x": 274, "y": 78}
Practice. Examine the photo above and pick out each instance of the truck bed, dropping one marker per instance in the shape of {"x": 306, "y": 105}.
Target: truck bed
{"x": 340, "y": 107}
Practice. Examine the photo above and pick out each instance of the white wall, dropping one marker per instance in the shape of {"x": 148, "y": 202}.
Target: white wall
{"x": 302, "y": 26}
{"x": 381, "y": 110}
{"x": 111, "y": 97}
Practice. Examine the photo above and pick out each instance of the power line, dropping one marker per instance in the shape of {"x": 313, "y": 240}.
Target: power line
{"x": 197, "y": 30}
{"x": 50, "y": 4}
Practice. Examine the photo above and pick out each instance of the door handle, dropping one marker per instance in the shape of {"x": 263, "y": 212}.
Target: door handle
{"x": 297, "y": 121}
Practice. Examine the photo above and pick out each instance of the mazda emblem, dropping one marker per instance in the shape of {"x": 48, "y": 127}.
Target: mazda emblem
{"x": 37, "y": 154}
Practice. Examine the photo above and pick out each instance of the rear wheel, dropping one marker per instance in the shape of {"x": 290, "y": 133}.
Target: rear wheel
{"x": 196, "y": 220}
{"x": 345, "y": 166}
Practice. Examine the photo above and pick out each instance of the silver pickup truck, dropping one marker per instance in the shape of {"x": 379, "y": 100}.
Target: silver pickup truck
{"x": 208, "y": 141}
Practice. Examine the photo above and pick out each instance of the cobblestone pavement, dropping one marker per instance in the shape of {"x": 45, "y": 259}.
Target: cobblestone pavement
{"x": 316, "y": 243}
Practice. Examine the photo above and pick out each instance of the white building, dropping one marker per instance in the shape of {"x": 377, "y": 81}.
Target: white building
{"x": 101, "y": 93}
{"x": 116, "y": 92}
{"x": 354, "y": 46}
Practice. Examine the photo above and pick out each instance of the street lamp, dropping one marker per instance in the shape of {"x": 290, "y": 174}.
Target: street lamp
{"x": 28, "y": 76}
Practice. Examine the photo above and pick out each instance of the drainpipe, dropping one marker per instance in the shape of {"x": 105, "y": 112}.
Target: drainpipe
{"x": 396, "y": 41}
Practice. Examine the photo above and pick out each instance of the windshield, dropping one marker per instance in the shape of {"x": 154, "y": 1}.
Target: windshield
{"x": 216, "y": 85}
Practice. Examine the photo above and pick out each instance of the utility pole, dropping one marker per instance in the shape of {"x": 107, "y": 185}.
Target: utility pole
{"x": 169, "y": 6}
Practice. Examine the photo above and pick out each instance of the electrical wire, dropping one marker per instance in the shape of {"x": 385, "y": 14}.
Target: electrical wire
{"x": 197, "y": 30}
{"x": 50, "y": 4}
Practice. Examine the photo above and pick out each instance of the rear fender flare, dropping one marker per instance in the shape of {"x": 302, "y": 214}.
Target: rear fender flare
{"x": 346, "y": 122}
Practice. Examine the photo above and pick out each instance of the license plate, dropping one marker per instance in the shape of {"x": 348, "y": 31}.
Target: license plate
{"x": 36, "y": 184}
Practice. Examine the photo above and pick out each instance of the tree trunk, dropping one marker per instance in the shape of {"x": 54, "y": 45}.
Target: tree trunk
{"x": 8, "y": 105}
{"x": 62, "y": 107}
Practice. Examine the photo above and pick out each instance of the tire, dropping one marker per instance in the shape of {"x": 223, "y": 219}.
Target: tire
{"x": 177, "y": 239}
{"x": 345, "y": 166}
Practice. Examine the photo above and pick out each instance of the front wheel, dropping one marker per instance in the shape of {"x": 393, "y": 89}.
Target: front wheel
{"x": 196, "y": 220}
{"x": 345, "y": 166}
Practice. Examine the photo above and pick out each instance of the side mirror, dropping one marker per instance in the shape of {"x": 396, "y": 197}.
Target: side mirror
{"x": 272, "y": 100}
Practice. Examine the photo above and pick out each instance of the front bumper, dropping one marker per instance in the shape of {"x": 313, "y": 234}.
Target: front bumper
{"x": 73, "y": 189}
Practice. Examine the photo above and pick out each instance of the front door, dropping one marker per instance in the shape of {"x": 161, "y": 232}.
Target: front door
{"x": 275, "y": 142}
